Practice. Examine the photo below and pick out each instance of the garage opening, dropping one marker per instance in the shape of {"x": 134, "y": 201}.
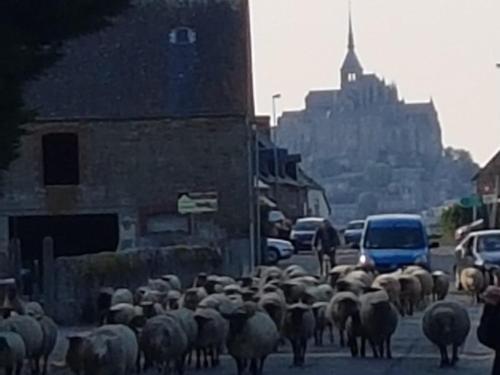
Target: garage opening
{"x": 73, "y": 235}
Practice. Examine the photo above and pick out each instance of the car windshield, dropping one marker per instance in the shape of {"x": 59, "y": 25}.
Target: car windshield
{"x": 489, "y": 243}
{"x": 394, "y": 237}
{"x": 308, "y": 225}
{"x": 355, "y": 226}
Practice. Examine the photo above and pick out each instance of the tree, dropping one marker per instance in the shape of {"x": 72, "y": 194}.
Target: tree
{"x": 31, "y": 37}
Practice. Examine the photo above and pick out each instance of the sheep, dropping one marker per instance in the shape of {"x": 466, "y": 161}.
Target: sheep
{"x": 164, "y": 341}
{"x": 293, "y": 291}
{"x": 339, "y": 309}
{"x": 49, "y": 329}
{"x": 12, "y": 352}
{"x": 103, "y": 303}
{"x": 212, "y": 333}
{"x": 338, "y": 272}
{"x": 379, "y": 320}
{"x": 173, "y": 299}
{"x": 391, "y": 285}
{"x": 126, "y": 314}
{"x": 298, "y": 328}
{"x": 350, "y": 284}
{"x": 269, "y": 274}
{"x": 446, "y": 323}
{"x": 225, "y": 281}
{"x": 232, "y": 289}
{"x": 321, "y": 322}
{"x": 110, "y": 349}
{"x": 12, "y": 302}
{"x": 159, "y": 285}
{"x": 320, "y": 293}
{"x": 252, "y": 337}
{"x": 411, "y": 292}
{"x": 294, "y": 269}
{"x": 274, "y": 304}
{"x": 186, "y": 319}
{"x": 354, "y": 332}
{"x": 173, "y": 280}
{"x": 426, "y": 281}
{"x": 441, "y": 285}
{"x": 364, "y": 277}
{"x": 122, "y": 295}
{"x": 473, "y": 281}
{"x": 192, "y": 297}
{"x": 32, "y": 334}
{"x": 220, "y": 302}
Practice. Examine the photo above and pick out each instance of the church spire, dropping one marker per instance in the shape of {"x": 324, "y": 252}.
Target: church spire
{"x": 350, "y": 43}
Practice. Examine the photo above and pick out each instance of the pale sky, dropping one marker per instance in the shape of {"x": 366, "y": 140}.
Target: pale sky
{"x": 444, "y": 49}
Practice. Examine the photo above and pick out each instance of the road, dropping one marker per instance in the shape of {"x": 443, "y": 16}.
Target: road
{"x": 412, "y": 353}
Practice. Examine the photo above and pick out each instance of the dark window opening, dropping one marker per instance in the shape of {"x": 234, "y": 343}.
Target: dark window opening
{"x": 182, "y": 35}
{"x": 61, "y": 159}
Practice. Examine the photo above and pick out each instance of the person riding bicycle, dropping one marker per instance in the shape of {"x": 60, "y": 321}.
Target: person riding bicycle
{"x": 325, "y": 243}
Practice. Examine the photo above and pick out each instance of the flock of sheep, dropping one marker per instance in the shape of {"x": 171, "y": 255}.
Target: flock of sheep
{"x": 163, "y": 326}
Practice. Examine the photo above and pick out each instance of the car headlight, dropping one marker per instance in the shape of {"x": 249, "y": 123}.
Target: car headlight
{"x": 366, "y": 260}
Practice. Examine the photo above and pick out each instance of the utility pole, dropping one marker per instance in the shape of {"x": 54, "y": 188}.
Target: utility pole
{"x": 274, "y": 133}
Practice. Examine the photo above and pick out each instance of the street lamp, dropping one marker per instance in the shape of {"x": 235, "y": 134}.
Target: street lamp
{"x": 274, "y": 132}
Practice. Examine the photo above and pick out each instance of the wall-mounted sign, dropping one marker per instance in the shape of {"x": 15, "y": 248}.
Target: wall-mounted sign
{"x": 197, "y": 203}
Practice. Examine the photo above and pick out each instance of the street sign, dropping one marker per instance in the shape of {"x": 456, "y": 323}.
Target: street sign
{"x": 490, "y": 199}
{"x": 470, "y": 202}
{"x": 197, "y": 203}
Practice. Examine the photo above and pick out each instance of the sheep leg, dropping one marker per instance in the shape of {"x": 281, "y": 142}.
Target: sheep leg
{"x": 353, "y": 344}
{"x": 389, "y": 351}
{"x": 45, "y": 362}
{"x": 303, "y": 348}
{"x": 205, "y": 357}
{"x": 363, "y": 346}
{"x": 240, "y": 366}
{"x": 381, "y": 349}
{"x": 454, "y": 358}
{"x": 254, "y": 367}
{"x": 444, "y": 356}
{"x": 410, "y": 308}
{"x": 179, "y": 365}
{"x": 190, "y": 357}
{"x": 296, "y": 353}
{"x": 341, "y": 335}
{"x": 19, "y": 368}
{"x": 211, "y": 352}
{"x": 261, "y": 365}
{"x": 330, "y": 331}
{"x": 198, "y": 358}
{"x": 8, "y": 370}
{"x": 374, "y": 348}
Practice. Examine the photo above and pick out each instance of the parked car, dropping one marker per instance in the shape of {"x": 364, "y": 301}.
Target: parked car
{"x": 278, "y": 250}
{"x": 481, "y": 248}
{"x": 392, "y": 241}
{"x": 353, "y": 233}
{"x": 303, "y": 232}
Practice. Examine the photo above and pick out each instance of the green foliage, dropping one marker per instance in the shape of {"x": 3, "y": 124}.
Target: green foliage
{"x": 455, "y": 217}
{"x": 31, "y": 37}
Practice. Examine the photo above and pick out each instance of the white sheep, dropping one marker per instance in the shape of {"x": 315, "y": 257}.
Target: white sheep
{"x": 192, "y": 297}
{"x": 473, "y": 281}
{"x": 391, "y": 285}
{"x": 32, "y": 334}
{"x": 411, "y": 293}
{"x": 173, "y": 280}
{"x": 110, "y": 349}
{"x": 379, "y": 320}
{"x": 340, "y": 308}
{"x": 122, "y": 295}
{"x": 163, "y": 341}
{"x": 274, "y": 304}
{"x": 321, "y": 323}
{"x": 252, "y": 337}
{"x": 298, "y": 328}
{"x": 338, "y": 272}
{"x": 446, "y": 324}
{"x": 212, "y": 334}
{"x": 12, "y": 352}
{"x": 441, "y": 285}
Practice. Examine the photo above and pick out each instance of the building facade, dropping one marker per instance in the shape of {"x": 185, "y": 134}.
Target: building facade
{"x": 130, "y": 119}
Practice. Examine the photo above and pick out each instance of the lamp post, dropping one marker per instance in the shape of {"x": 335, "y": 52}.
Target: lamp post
{"x": 274, "y": 133}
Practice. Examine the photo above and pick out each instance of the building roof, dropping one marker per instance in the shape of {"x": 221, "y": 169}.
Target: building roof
{"x": 351, "y": 61}
{"x": 488, "y": 169}
{"x": 158, "y": 58}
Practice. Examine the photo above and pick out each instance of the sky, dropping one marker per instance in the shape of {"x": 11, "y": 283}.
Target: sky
{"x": 440, "y": 49}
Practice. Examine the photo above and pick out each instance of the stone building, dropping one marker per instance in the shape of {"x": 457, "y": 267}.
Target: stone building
{"x": 152, "y": 107}
{"x": 487, "y": 182}
{"x": 372, "y": 151}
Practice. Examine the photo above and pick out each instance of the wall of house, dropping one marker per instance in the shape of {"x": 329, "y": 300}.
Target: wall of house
{"x": 137, "y": 169}
{"x": 292, "y": 200}
{"x": 317, "y": 204}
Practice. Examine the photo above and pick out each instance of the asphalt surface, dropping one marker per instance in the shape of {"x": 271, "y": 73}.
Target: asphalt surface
{"x": 412, "y": 353}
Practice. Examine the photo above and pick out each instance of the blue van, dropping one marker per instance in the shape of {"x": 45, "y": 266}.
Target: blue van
{"x": 392, "y": 241}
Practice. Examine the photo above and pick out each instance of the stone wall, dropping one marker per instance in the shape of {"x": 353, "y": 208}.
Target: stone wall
{"x": 77, "y": 279}
{"x": 137, "y": 169}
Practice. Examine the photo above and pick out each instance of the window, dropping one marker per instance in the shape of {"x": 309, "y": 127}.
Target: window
{"x": 61, "y": 159}
{"x": 395, "y": 237}
{"x": 182, "y": 35}
{"x": 351, "y": 77}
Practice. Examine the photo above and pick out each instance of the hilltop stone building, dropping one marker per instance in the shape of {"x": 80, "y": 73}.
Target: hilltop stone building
{"x": 372, "y": 151}
{"x": 154, "y": 106}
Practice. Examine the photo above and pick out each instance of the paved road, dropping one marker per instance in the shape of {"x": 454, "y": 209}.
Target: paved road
{"x": 412, "y": 353}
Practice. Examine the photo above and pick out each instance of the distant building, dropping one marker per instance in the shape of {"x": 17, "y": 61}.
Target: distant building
{"x": 488, "y": 187}
{"x": 372, "y": 151}
{"x": 132, "y": 117}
